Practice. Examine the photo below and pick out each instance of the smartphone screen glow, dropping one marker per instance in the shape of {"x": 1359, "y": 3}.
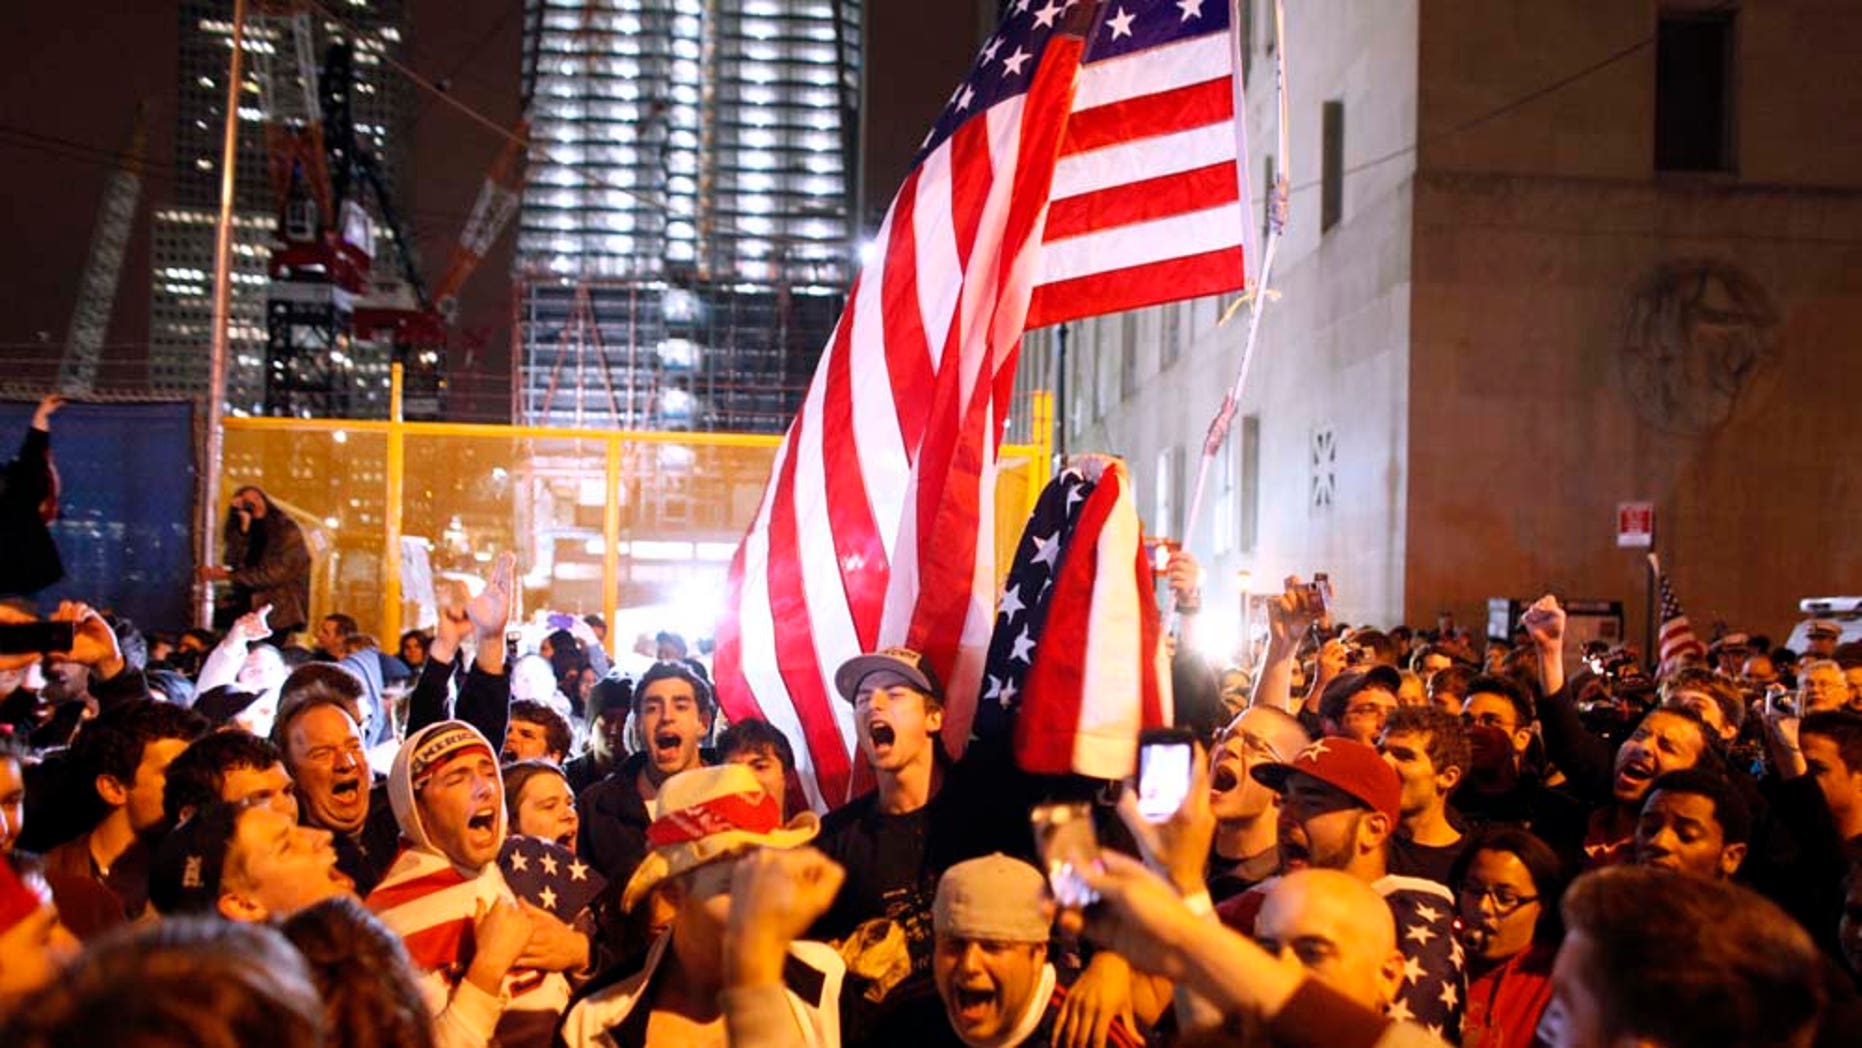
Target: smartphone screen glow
{"x": 1163, "y": 779}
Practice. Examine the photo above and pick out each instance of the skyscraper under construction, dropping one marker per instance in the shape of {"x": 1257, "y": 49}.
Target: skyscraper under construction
{"x": 181, "y": 313}
{"x": 686, "y": 230}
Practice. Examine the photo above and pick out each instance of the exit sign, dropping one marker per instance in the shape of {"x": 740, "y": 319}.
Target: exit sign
{"x": 1635, "y": 525}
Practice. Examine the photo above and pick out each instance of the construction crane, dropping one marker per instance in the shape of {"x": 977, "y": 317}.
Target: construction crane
{"x": 496, "y": 204}
{"x": 333, "y": 318}
{"x": 90, "y": 314}
{"x": 332, "y": 313}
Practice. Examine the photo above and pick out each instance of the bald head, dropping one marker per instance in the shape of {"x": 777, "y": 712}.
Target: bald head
{"x": 1339, "y": 928}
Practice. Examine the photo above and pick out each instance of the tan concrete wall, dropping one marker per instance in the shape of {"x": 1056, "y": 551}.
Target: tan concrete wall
{"x": 1525, "y": 433}
{"x": 1537, "y": 214}
{"x": 1566, "y": 88}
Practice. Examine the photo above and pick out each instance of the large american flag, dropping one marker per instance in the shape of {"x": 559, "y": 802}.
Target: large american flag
{"x": 876, "y": 526}
{"x": 1677, "y": 644}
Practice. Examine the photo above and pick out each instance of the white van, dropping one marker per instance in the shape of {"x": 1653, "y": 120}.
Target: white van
{"x": 1846, "y": 612}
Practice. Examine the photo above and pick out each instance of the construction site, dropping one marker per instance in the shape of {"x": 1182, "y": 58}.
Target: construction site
{"x": 677, "y": 196}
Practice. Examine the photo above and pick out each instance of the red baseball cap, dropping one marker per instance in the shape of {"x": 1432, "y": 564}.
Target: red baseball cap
{"x": 1353, "y": 767}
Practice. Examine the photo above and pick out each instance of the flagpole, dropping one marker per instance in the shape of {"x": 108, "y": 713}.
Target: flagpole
{"x": 1257, "y": 299}
{"x": 207, "y": 512}
{"x": 1652, "y": 612}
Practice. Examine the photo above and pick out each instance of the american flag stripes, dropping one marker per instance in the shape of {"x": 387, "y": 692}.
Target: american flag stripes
{"x": 1076, "y": 661}
{"x": 1149, "y": 197}
{"x": 431, "y": 905}
{"x": 1677, "y": 643}
{"x": 875, "y": 528}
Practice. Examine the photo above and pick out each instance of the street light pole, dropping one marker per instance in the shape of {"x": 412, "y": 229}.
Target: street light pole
{"x": 213, "y": 445}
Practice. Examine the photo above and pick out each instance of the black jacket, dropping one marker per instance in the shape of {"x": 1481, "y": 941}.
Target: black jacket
{"x": 271, "y": 565}
{"x": 31, "y": 560}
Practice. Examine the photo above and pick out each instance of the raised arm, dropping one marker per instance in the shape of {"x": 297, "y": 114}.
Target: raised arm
{"x": 223, "y": 662}
{"x": 1289, "y": 618}
{"x": 484, "y": 699}
{"x": 1585, "y": 759}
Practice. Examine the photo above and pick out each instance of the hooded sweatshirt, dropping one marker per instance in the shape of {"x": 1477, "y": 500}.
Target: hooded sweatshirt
{"x": 366, "y": 666}
{"x": 431, "y": 902}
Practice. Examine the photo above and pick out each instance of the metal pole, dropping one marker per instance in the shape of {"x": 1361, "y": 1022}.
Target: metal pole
{"x": 1651, "y": 606}
{"x": 611, "y": 543}
{"x": 214, "y": 445}
{"x": 1060, "y": 400}
{"x": 391, "y": 513}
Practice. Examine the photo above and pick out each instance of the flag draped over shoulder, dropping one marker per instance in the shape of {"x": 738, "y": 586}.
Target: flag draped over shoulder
{"x": 1677, "y": 643}
{"x": 1077, "y": 660}
{"x": 876, "y": 527}
{"x": 426, "y": 901}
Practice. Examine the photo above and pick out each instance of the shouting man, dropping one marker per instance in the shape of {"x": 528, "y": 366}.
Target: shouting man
{"x": 673, "y": 712}
{"x": 490, "y": 964}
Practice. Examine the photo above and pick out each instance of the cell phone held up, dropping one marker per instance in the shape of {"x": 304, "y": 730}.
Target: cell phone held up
{"x": 1065, "y": 839}
{"x": 30, "y": 638}
{"x": 1316, "y": 596}
{"x": 1166, "y": 757}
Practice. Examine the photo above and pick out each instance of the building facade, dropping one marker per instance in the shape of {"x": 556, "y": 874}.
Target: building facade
{"x": 685, "y": 236}
{"x": 1543, "y": 260}
{"x": 181, "y": 307}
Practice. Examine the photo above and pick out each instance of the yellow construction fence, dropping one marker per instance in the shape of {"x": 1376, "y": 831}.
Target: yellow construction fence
{"x": 638, "y": 526}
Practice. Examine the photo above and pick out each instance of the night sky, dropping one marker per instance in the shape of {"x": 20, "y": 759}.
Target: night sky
{"x": 68, "y": 95}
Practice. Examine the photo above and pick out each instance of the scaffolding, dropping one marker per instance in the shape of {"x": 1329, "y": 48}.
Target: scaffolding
{"x": 686, "y": 233}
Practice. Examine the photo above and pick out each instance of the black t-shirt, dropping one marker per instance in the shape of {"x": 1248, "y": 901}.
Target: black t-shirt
{"x": 1228, "y": 878}
{"x": 893, "y": 862}
{"x": 1431, "y": 862}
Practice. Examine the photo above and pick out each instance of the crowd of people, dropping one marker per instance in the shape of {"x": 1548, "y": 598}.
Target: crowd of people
{"x": 1388, "y": 838}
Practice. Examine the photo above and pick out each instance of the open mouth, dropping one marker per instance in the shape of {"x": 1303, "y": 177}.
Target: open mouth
{"x": 567, "y": 840}
{"x": 346, "y": 789}
{"x": 1636, "y": 773}
{"x": 974, "y": 1004}
{"x": 667, "y": 744}
{"x": 1224, "y": 778}
{"x": 482, "y": 821}
{"x": 881, "y": 734}
{"x": 1294, "y": 853}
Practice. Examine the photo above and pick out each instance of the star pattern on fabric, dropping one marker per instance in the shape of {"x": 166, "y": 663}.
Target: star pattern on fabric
{"x": 1047, "y": 549}
{"x": 1011, "y": 604}
{"x": 1024, "y": 647}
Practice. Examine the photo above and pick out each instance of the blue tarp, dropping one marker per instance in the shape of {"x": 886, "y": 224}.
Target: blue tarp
{"x": 126, "y": 503}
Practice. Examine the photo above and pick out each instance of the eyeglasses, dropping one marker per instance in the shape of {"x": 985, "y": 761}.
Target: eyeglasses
{"x": 1251, "y": 744}
{"x": 1505, "y": 900}
{"x": 1486, "y": 720}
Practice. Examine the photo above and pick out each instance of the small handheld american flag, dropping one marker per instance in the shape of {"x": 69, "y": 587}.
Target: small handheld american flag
{"x": 1677, "y": 643}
